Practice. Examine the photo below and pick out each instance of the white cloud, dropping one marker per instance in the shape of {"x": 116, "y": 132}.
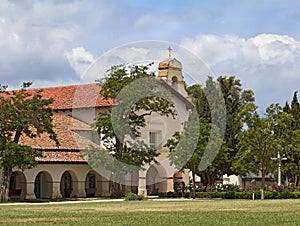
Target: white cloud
{"x": 266, "y": 63}
{"x": 36, "y": 34}
{"x": 146, "y": 52}
{"x": 276, "y": 49}
{"x": 80, "y": 60}
{"x": 264, "y": 49}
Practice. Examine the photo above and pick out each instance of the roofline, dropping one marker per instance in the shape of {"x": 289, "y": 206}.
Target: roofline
{"x": 188, "y": 104}
{"x": 59, "y": 150}
{"x": 62, "y": 162}
{"x": 54, "y": 87}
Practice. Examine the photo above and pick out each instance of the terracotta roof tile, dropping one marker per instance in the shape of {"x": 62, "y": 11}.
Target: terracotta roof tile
{"x": 74, "y": 96}
{"x": 69, "y": 139}
{"x": 61, "y": 157}
{"x": 165, "y": 63}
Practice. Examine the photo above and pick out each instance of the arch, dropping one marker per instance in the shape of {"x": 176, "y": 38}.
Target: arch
{"x": 68, "y": 184}
{"x": 174, "y": 79}
{"x": 43, "y": 185}
{"x": 156, "y": 179}
{"x": 17, "y": 185}
{"x": 91, "y": 183}
{"x": 174, "y": 82}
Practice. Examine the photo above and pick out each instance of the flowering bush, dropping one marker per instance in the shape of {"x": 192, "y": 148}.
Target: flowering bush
{"x": 251, "y": 188}
{"x": 228, "y": 187}
{"x": 279, "y": 188}
{"x": 214, "y": 188}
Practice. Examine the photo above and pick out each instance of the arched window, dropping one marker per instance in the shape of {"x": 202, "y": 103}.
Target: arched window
{"x": 174, "y": 81}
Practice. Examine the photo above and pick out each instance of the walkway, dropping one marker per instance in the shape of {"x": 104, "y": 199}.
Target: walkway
{"x": 60, "y": 202}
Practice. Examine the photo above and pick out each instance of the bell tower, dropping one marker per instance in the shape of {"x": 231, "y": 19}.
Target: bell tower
{"x": 170, "y": 70}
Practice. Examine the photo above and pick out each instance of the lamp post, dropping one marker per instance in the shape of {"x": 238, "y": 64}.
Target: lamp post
{"x": 279, "y": 166}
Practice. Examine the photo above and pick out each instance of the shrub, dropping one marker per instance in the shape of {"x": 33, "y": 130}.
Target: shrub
{"x": 227, "y": 187}
{"x": 233, "y": 195}
{"x": 210, "y": 195}
{"x": 277, "y": 187}
{"x": 171, "y": 194}
{"x": 132, "y": 196}
{"x": 296, "y": 194}
{"x": 251, "y": 188}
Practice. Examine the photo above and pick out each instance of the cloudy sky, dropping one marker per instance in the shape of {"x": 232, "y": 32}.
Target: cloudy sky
{"x": 54, "y": 42}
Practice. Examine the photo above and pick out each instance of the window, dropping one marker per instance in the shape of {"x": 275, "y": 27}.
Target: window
{"x": 153, "y": 140}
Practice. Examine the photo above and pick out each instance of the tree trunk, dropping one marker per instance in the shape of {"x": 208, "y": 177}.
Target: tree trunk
{"x": 213, "y": 177}
{"x": 194, "y": 185}
{"x": 17, "y": 136}
{"x": 117, "y": 190}
{"x": 5, "y": 180}
{"x": 263, "y": 182}
{"x": 208, "y": 178}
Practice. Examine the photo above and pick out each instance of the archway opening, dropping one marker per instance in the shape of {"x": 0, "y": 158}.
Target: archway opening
{"x": 152, "y": 181}
{"x": 91, "y": 184}
{"x": 43, "y": 185}
{"x": 174, "y": 81}
{"x": 66, "y": 184}
{"x": 17, "y": 185}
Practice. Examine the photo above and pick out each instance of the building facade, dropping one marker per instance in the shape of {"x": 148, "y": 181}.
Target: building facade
{"x": 63, "y": 172}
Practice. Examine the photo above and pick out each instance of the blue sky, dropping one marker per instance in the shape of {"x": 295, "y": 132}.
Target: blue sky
{"x": 53, "y": 42}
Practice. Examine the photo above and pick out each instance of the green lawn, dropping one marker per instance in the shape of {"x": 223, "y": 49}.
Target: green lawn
{"x": 192, "y": 212}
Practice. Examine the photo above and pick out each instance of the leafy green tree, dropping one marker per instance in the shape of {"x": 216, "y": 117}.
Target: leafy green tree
{"x": 191, "y": 147}
{"x": 261, "y": 141}
{"x": 295, "y": 111}
{"x": 136, "y": 96}
{"x": 22, "y": 113}
{"x": 238, "y": 103}
{"x": 291, "y": 166}
{"x": 207, "y": 101}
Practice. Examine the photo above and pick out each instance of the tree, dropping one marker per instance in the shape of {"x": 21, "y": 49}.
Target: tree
{"x": 191, "y": 147}
{"x": 291, "y": 165}
{"x": 295, "y": 111}
{"x": 261, "y": 141}
{"x": 136, "y": 95}
{"x": 237, "y": 103}
{"x": 22, "y": 113}
{"x": 210, "y": 107}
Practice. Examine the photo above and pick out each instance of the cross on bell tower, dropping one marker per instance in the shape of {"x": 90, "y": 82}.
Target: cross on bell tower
{"x": 170, "y": 51}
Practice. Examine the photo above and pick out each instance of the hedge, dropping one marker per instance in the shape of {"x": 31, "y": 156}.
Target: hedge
{"x": 232, "y": 195}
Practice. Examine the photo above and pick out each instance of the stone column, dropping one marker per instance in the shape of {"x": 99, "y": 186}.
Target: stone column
{"x": 56, "y": 189}
{"x": 169, "y": 183}
{"x": 142, "y": 189}
{"x": 105, "y": 187}
{"x": 81, "y": 189}
{"x": 30, "y": 190}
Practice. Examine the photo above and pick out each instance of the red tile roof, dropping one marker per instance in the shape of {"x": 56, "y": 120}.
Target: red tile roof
{"x": 74, "y": 96}
{"x": 65, "y": 128}
{"x": 61, "y": 157}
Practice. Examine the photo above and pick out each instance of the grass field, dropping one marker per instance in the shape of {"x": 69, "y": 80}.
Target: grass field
{"x": 150, "y": 212}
